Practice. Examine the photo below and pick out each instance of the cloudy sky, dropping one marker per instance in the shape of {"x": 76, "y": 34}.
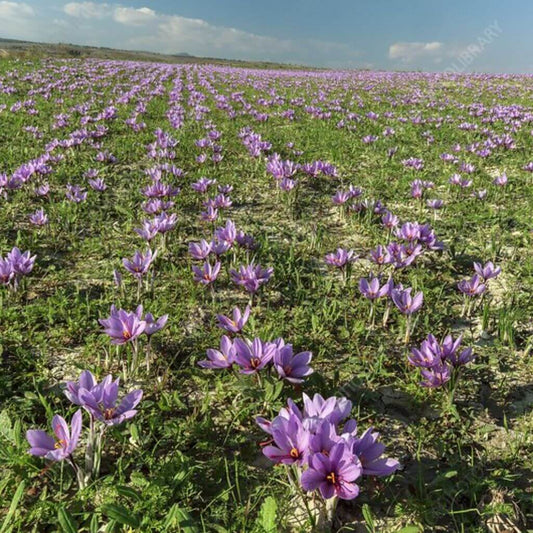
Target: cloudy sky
{"x": 436, "y": 35}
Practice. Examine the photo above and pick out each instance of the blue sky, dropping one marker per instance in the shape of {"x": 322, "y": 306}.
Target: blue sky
{"x": 435, "y": 35}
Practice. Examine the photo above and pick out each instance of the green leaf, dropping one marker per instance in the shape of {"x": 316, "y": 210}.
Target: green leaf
{"x": 181, "y": 518}
{"x": 94, "y": 526}
{"x": 410, "y": 529}
{"x": 13, "y": 507}
{"x": 120, "y": 514}
{"x": 67, "y": 523}
{"x": 267, "y": 515}
{"x": 128, "y": 492}
{"x": 369, "y": 519}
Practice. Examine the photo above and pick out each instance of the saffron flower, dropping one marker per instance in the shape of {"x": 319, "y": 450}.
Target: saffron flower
{"x": 22, "y": 263}
{"x": 106, "y": 409}
{"x": 293, "y": 368}
{"x": 154, "y": 325}
{"x": 64, "y": 443}
{"x": 87, "y": 382}
{"x": 123, "y": 326}
{"x": 251, "y": 277}
{"x": 207, "y": 274}
{"x": 340, "y": 258}
{"x": 139, "y": 264}
{"x": 39, "y": 218}
{"x": 487, "y": 271}
{"x": 200, "y": 250}
{"x": 333, "y": 474}
{"x": 223, "y": 358}
{"x": 372, "y": 289}
{"x": 438, "y": 361}
{"x": 329, "y": 457}
{"x": 237, "y": 322}
{"x": 473, "y": 286}
{"x": 369, "y": 451}
{"x": 228, "y": 233}
{"x": 291, "y": 441}
{"x": 406, "y": 303}
{"x": 254, "y": 355}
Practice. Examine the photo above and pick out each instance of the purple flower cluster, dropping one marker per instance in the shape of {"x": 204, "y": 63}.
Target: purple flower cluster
{"x": 126, "y": 326}
{"x": 14, "y": 266}
{"x": 325, "y": 447}
{"x": 251, "y": 356}
{"x": 437, "y": 361}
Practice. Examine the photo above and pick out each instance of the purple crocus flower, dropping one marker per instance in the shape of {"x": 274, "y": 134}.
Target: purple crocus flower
{"x": 6, "y": 271}
{"x": 223, "y": 358}
{"x": 380, "y": 255}
{"x": 340, "y": 197}
{"x": 293, "y": 368}
{"x": 389, "y": 220}
{"x": 199, "y": 250}
{"x": 42, "y": 190}
{"x": 291, "y": 441}
{"x": 64, "y": 443}
{"x": 148, "y": 231}
{"x": 254, "y": 355}
{"x": 207, "y": 274}
{"x": 139, "y": 264}
{"x": 203, "y": 184}
{"x": 123, "y": 326}
{"x": 473, "y": 286}
{"x": 372, "y": 289}
{"x": 406, "y": 303}
{"x": 22, "y": 263}
{"x": 333, "y": 409}
{"x": 166, "y": 222}
{"x": 429, "y": 354}
{"x": 154, "y": 325}
{"x": 340, "y": 258}
{"x": 76, "y": 194}
{"x": 435, "y": 204}
{"x": 236, "y": 323}
{"x": 220, "y": 247}
{"x": 98, "y": 184}
{"x": 251, "y": 276}
{"x": 450, "y": 353}
{"x": 436, "y": 376}
{"x": 333, "y": 474}
{"x": 39, "y": 218}
{"x": 228, "y": 233}
{"x": 107, "y": 410}
{"x": 88, "y": 382}
{"x": 487, "y": 271}
{"x": 210, "y": 214}
{"x": 500, "y": 181}
{"x": 369, "y": 451}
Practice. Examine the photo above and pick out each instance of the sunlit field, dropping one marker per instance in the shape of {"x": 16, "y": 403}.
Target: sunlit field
{"x": 256, "y": 301}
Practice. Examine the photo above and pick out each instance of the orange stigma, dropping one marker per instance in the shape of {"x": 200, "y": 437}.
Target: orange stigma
{"x": 331, "y": 477}
{"x": 294, "y": 453}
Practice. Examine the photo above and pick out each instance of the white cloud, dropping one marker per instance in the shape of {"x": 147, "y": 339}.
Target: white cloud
{"x": 407, "y": 52}
{"x": 13, "y": 10}
{"x": 133, "y": 17}
{"x": 86, "y": 10}
{"x": 143, "y": 28}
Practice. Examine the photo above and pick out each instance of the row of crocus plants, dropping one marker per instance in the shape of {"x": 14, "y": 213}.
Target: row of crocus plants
{"x": 229, "y": 251}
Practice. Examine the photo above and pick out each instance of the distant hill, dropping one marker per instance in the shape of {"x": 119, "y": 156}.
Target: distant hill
{"x": 29, "y": 49}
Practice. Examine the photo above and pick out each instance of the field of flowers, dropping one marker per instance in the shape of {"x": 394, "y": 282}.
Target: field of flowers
{"x": 257, "y": 301}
